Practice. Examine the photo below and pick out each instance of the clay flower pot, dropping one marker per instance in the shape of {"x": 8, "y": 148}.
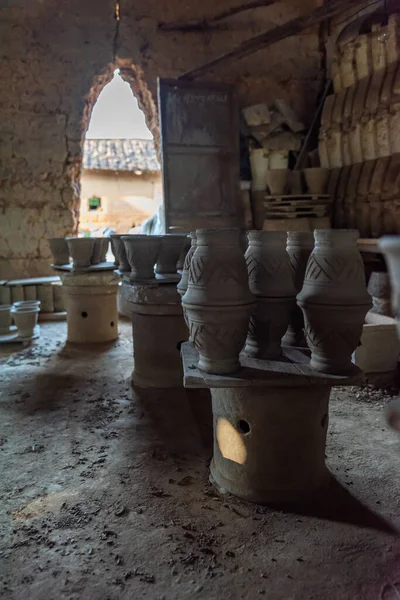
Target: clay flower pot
{"x": 99, "y": 250}
{"x": 277, "y": 181}
{"x": 26, "y": 319}
{"x": 271, "y": 282}
{"x": 5, "y": 318}
{"x": 183, "y": 284}
{"x": 299, "y": 247}
{"x": 59, "y": 250}
{"x": 390, "y": 246}
{"x": 142, "y": 252}
{"x": 334, "y": 300}
{"x": 81, "y": 250}
{"x": 316, "y": 179}
{"x": 118, "y": 248}
{"x": 218, "y": 301}
{"x": 170, "y": 250}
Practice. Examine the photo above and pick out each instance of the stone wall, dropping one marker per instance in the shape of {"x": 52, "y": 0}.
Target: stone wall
{"x": 55, "y": 57}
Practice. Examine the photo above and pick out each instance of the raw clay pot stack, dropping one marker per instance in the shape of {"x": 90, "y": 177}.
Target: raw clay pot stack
{"x": 218, "y": 302}
{"x": 334, "y": 300}
{"x": 271, "y": 282}
{"x": 299, "y": 247}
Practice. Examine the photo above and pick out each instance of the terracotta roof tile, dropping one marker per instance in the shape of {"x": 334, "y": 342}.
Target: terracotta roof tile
{"x": 120, "y": 155}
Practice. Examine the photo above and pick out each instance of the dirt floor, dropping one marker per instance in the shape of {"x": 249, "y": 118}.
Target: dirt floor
{"x": 105, "y": 495}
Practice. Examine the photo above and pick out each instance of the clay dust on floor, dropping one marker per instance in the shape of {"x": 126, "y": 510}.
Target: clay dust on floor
{"x": 105, "y": 495}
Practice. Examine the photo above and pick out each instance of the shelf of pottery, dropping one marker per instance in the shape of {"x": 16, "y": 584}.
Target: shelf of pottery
{"x": 359, "y": 139}
{"x": 284, "y": 200}
{"x": 268, "y": 360}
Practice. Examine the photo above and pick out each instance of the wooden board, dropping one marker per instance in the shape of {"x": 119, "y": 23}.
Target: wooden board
{"x": 293, "y": 370}
{"x": 200, "y": 155}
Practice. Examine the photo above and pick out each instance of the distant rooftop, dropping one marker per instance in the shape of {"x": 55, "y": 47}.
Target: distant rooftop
{"x": 120, "y": 155}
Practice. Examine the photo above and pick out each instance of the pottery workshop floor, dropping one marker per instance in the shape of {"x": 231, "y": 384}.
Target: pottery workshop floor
{"x": 105, "y": 495}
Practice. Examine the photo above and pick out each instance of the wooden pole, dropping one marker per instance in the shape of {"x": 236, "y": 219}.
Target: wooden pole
{"x": 272, "y": 36}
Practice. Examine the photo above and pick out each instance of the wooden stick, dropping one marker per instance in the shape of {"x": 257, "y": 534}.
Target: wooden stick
{"x": 207, "y": 23}
{"x": 272, "y": 36}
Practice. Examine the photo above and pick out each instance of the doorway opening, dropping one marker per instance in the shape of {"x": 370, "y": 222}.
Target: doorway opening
{"x": 121, "y": 180}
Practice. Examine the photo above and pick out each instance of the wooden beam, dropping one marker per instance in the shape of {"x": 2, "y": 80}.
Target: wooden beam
{"x": 272, "y": 36}
{"x": 205, "y": 24}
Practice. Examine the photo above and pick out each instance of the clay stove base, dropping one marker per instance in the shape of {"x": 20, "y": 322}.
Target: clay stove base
{"x": 91, "y": 306}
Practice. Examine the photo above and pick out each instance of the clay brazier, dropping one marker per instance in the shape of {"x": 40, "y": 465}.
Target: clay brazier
{"x": 271, "y": 282}
{"x": 142, "y": 252}
{"x": 59, "y": 250}
{"x": 218, "y": 302}
{"x": 299, "y": 247}
{"x": 81, "y": 250}
{"x": 170, "y": 249}
{"x": 334, "y": 300}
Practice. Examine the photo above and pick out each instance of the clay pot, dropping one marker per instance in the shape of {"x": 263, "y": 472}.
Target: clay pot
{"x": 142, "y": 252}
{"x": 277, "y": 181}
{"x": 170, "y": 250}
{"x": 295, "y": 183}
{"x": 5, "y": 318}
{"x": 299, "y": 247}
{"x": 27, "y": 303}
{"x": 118, "y": 248}
{"x": 183, "y": 284}
{"x": 81, "y": 250}
{"x": 316, "y": 179}
{"x": 271, "y": 281}
{"x": 59, "y": 250}
{"x": 185, "y": 249}
{"x": 100, "y": 250}
{"x": 26, "y": 319}
{"x": 390, "y": 246}
{"x": 334, "y": 300}
{"x": 218, "y": 302}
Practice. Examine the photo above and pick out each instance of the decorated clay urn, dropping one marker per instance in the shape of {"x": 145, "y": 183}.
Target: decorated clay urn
{"x": 185, "y": 249}
{"x": 271, "y": 282}
{"x": 118, "y": 249}
{"x": 142, "y": 252}
{"x": 170, "y": 250}
{"x": 183, "y": 284}
{"x": 59, "y": 250}
{"x": 299, "y": 247}
{"x": 334, "y": 300}
{"x": 218, "y": 302}
{"x": 390, "y": 246}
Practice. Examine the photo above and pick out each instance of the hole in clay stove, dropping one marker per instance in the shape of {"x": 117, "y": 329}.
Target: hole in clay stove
{"x": 84, "y": 314}
{"x": 324, "y": 421}
{"x": 243, "y": 427}
{"x": 112, "y": 323}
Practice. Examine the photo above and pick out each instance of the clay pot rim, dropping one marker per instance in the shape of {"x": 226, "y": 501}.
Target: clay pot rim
{"x": 80, "y": 240}
{"x": 21, "y": 310}
{"x": 26, "y": 303}
{"x": 4, "y": 307}
{"x": 229, "y": 237}
{"x": 136, "y": 238}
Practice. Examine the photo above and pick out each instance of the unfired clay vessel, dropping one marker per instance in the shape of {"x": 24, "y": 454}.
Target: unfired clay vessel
{"x": 271, "y": 281}
{"x": 118, "y": 248}
{"x": 277, "y": 181}
{"x": 99, "y": 250}
{"x": 218, "y": 301}
{"x": 183, "y": 284}
{"x": 390, "y": 246}
{"x": 25, "y": 319}
{"x": 299, "y": 247}
{"x": 185, "y": 249}
{"x": 170, "y": 250}
{"x": 334, "y": 300}
{"x": 142, "y": 252}
{"x": 59, "y": 250}
{"x": 316, "y": 179}
{"x": 5, "y": 318}
{"x": 80, "y": 250}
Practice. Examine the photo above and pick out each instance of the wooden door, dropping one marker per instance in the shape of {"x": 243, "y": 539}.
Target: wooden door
{"x": 200, "y": 155}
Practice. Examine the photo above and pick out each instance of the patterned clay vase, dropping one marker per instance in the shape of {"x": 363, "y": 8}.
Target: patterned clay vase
{"x": 271, "y": 281}
{"x": 183, "y": 284}
{"x": 218, "y": 302}
{"x": 170, "y": 250}
{"x": 390, "y": 246}
{"x": 334, "y": 300}
{"x": 142, "y": 252}
{"x": 118, "y": 249}
{"x": 59, "y": 250}
{"x": 299, "y": 247}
